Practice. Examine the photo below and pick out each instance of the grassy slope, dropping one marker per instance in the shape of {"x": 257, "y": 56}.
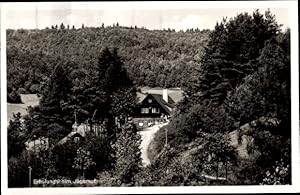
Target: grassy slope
{"x": 28, "y": 99}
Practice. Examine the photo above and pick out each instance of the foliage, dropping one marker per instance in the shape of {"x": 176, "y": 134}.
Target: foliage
{"x": 128, "y": 155}
{"x": 12, "y": 95}
{"x": 280, "y": 174}
{"x": 52, "y": 118}
{"x": 216, "y": 154}
{"x": 48, "y": 163}
{"x": 244, "y": 77}
{"x": 101, "y": 151}
{"x": 64, "y": 158}
{"x": 169, "y": 170}
{"x": 83, "y": 161}
{"x": 154, "y": 58}
{"x": 233, "y": 47}
{"x": 16, "y": 136}
{"x": 18, "y": 171}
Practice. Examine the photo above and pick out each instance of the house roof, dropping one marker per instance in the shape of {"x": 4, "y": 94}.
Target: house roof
{"x": 79, "y": 131}
{"x": 140, "y": 96}
{"x": 174, "y": 94}
{"x": 167, "y": 106}
{"x": 177, "y": 95}
{"x": 159, "y": 99}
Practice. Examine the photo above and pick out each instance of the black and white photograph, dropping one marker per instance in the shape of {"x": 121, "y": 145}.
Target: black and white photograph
{"x": 149, "y": 94}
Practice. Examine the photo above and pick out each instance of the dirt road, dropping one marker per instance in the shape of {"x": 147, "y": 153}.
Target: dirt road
{"x": 147, "y": 136}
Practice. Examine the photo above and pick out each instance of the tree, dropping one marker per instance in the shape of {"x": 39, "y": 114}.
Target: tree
{"x": 123, "y": 103}
{"x": 65, "y": 155}
{"x": 101, "y": 151}
{"x": 231, "y": 53}
{"x": 111, "y": 88}
{"x": 16, "y": 136}
{"x": 18, "y": 169}
{"x": 128, "y": 155}
{"x": 53, "y": 106}
{"x": 222, "y": 154}
{"x": 48, "y": 163}
{"x": 62, "y": 26}
{"x": 13, "y": 96}
{"x": 266, "y": 94}
{"x": 83, "y": 161}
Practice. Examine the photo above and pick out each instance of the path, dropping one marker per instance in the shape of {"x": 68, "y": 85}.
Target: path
{"x": 147, "y": 136}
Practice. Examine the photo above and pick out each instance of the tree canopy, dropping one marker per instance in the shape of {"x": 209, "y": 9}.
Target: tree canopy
{"x": 33, "y": 54}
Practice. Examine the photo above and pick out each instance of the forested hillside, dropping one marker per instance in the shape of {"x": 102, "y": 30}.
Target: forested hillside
{"x": 242, "y": 87}
{"x": 162, "y": 58}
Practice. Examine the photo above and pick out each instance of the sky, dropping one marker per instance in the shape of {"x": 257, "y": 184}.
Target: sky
{"x": 151, "y": 15}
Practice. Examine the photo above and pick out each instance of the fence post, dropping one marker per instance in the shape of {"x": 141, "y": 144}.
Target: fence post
{"x": 29, "y": 175}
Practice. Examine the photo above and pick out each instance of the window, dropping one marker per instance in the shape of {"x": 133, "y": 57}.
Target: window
{"x": 155, "y": 110}
{"x": 141, "y": 123}
{"x": 149, "y": 100}
{"x": 76, "y": 139}
{"x": 145, "y": 110}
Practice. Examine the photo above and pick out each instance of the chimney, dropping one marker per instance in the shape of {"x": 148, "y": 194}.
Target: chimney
{"x": 165, "y": 95}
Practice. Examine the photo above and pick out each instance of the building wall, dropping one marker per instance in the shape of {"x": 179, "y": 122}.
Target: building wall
{"x": 148, "y": 121}
{"x": 150, "y": 104}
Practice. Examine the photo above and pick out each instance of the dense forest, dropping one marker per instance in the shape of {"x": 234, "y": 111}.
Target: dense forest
{"x": 161, "y": 58}
{"x": 239, "y": 81}
{"x": 243, "y": 85}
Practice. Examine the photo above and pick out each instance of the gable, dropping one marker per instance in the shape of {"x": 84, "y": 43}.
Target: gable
{"x": 157, "y": 99}
{"x": 149, "y": 97}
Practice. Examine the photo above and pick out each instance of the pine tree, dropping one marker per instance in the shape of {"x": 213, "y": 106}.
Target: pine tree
{"x": 266, "y": 93}
{"x": 110, "y": 93}
{"x": 53, "y": 108}
{"x": 62, "y": 26}
{"x": 231, "y": 54}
